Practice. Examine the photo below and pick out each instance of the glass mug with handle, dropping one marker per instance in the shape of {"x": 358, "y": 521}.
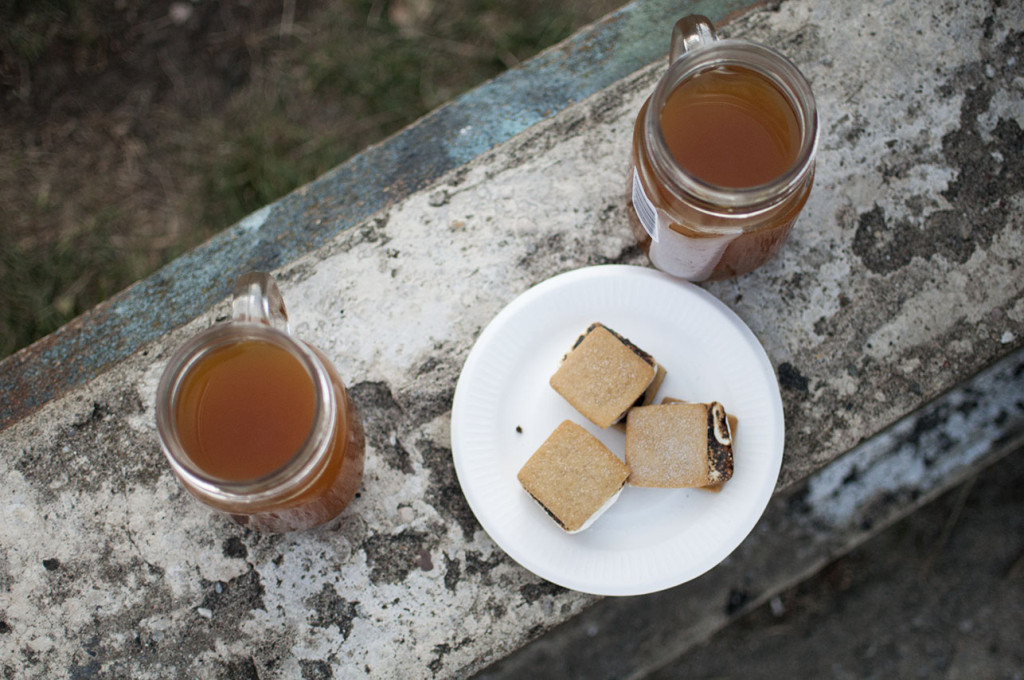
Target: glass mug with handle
{"x": 256, "y": 423}
{"x": 723, "y": 156}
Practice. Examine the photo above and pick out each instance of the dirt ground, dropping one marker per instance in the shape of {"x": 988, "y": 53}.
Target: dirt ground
{"x": 98, "y": 183}
{"x": 130, "y": 131}
{"x": 938, "y": 595}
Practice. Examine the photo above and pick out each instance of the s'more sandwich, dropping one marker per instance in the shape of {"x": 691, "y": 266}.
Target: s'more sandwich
{"x": 604, "y": 374}
{"x": 573, "y": 476}
{"x": 679, "y": 444}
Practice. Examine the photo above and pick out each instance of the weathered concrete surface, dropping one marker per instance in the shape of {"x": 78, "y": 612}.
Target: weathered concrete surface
{"x": 901, "y": 281}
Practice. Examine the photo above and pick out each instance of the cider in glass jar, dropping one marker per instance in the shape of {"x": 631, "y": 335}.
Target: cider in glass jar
{"x": 723, "y": 156}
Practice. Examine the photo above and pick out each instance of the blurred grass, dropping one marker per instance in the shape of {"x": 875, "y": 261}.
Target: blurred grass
{"x": 132, "y": 131}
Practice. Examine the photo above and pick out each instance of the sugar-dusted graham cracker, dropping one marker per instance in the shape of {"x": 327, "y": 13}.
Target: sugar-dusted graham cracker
{"x": 603, "y": 375}
{"x": 733, "y": 423}
{"x": 678, "y": 444}
{"x": 573, "y": 476}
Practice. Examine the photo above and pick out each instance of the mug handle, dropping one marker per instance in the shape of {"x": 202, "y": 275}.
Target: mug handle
{"x": 689, "y": 33}
{"x": 257, "y": 299}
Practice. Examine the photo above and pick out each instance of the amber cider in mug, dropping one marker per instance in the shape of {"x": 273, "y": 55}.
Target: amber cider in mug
{"x": 258, "y": 424}
{"x": 723, "y": 156}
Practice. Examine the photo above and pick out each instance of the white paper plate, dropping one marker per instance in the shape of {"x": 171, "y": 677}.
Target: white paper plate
{"x": 650, "y": 539}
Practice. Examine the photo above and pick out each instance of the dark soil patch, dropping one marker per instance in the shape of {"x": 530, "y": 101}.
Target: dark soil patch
{"x": 131, "y": 131}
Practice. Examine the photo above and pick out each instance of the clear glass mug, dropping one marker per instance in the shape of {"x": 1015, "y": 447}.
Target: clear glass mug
{"x": 703, "y": 229}
{"x": 256, "y": 423}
